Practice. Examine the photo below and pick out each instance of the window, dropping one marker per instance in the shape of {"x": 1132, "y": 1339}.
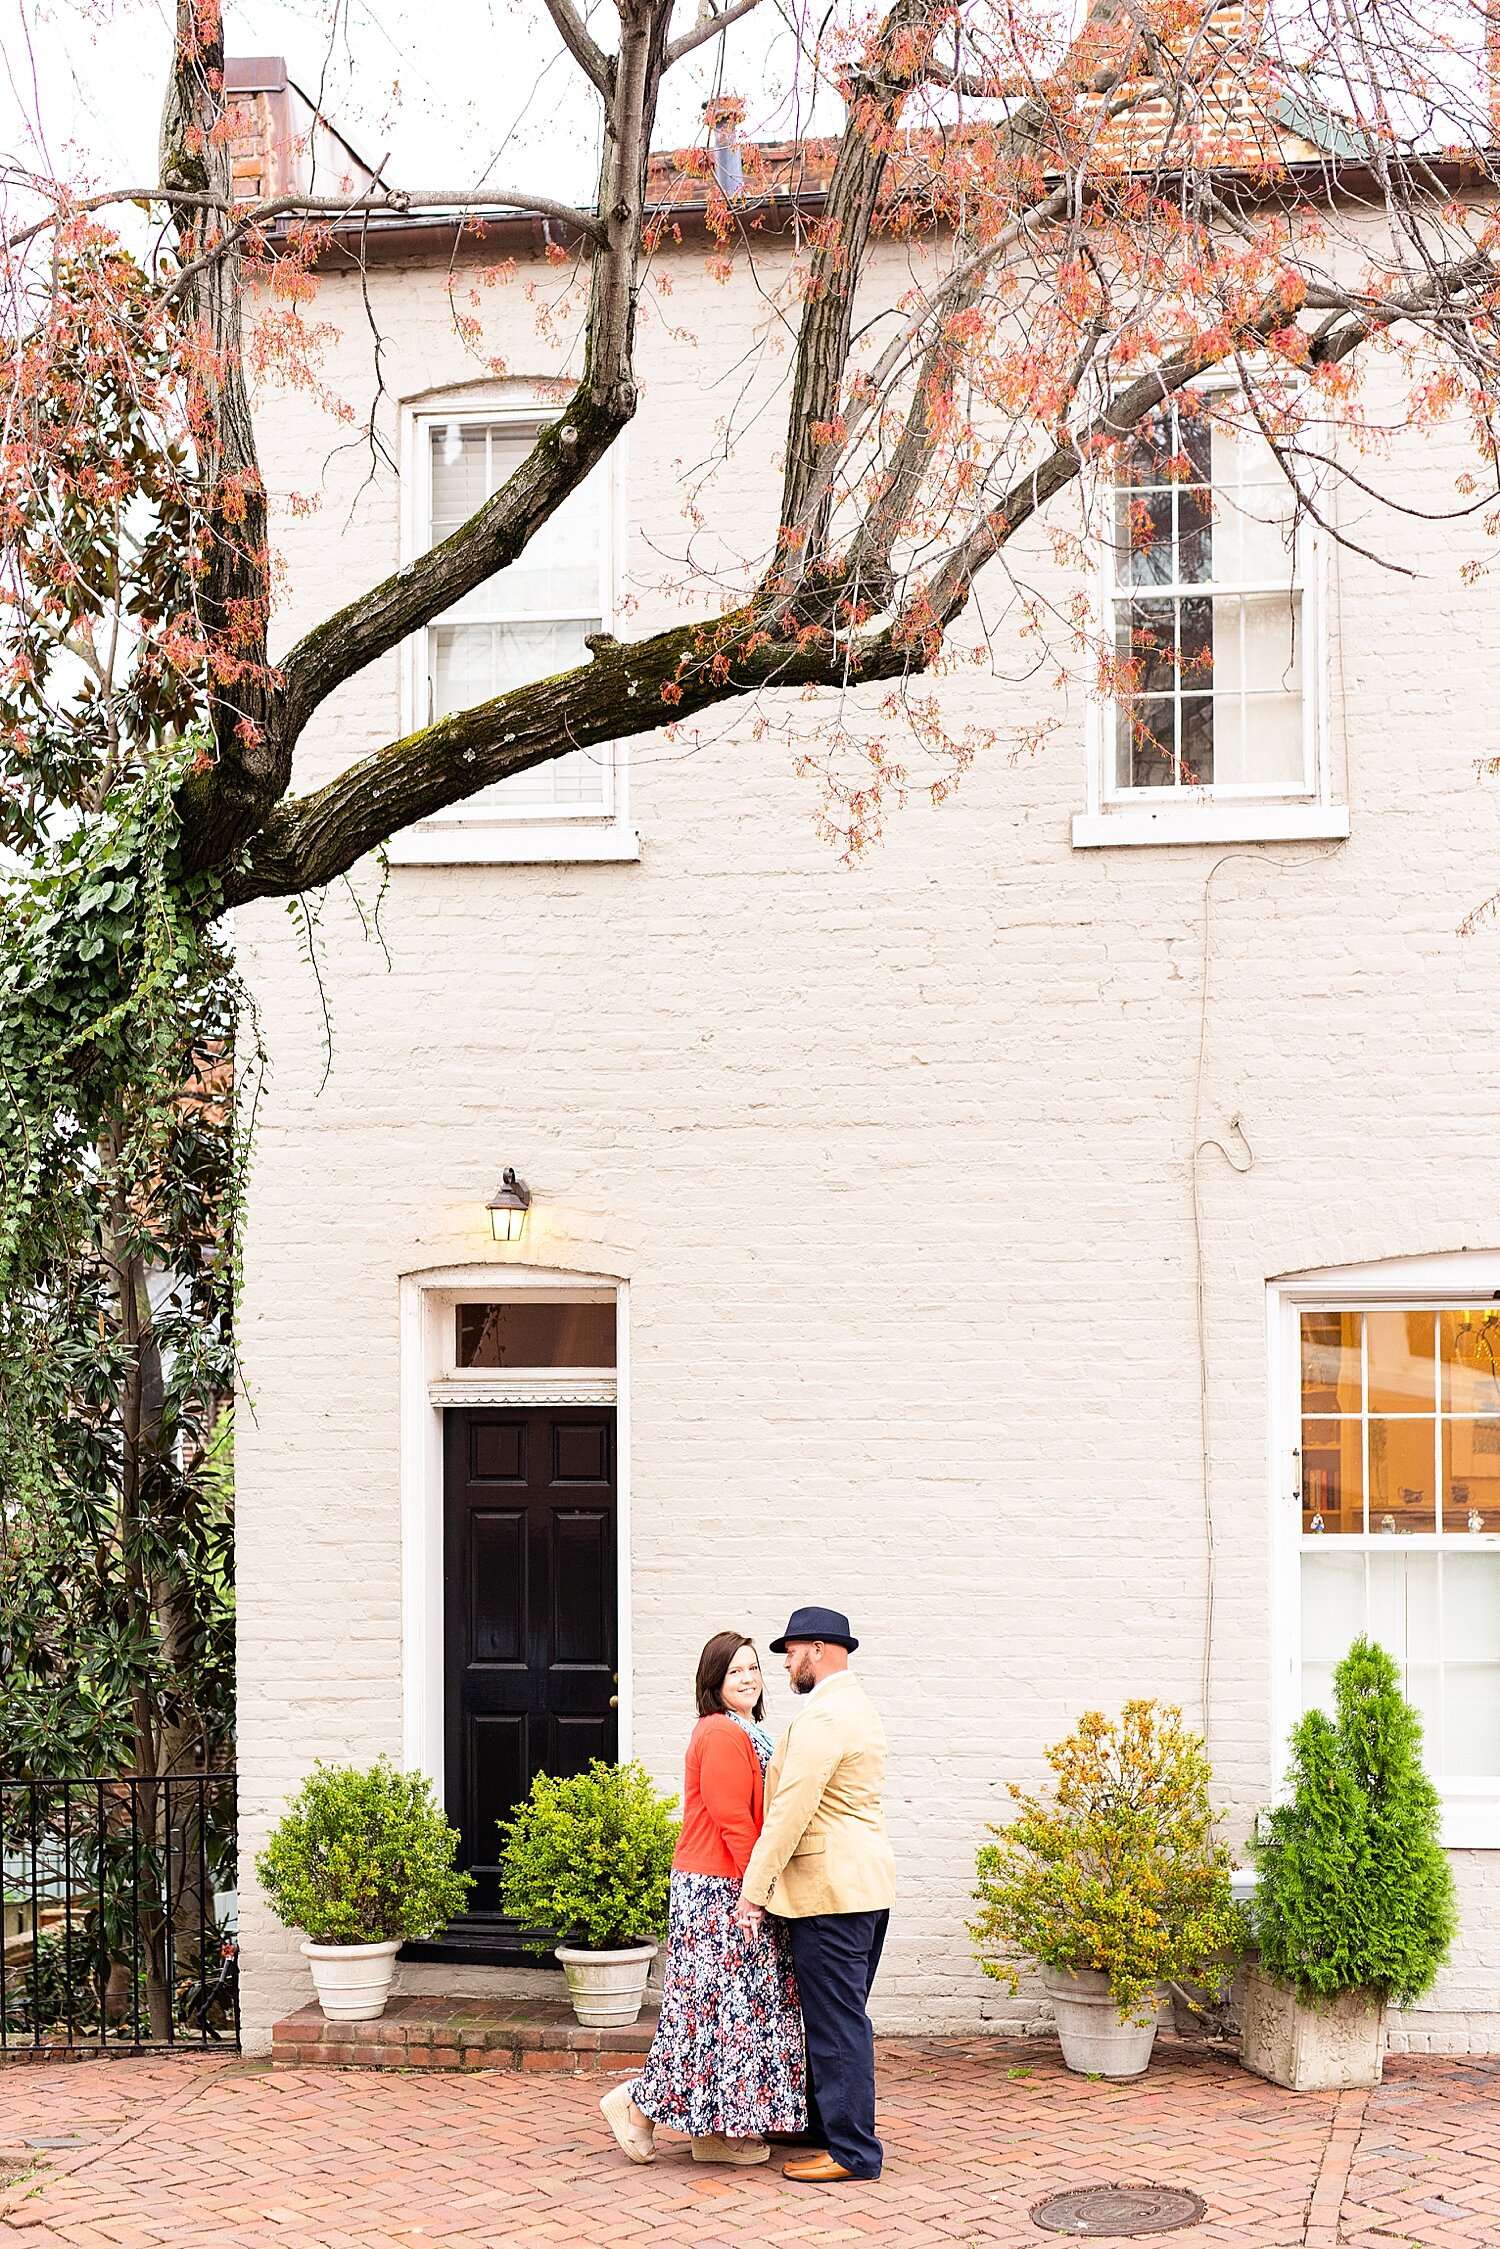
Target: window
{"x": 526, "y": 622}
{"x": 528, "y": 1333}
{"x": 1398, "y": 1452}
{"x": 1209, "y": 609}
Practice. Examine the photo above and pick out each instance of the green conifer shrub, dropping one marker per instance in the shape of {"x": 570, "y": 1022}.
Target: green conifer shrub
{"x": 1354, "y": 1891}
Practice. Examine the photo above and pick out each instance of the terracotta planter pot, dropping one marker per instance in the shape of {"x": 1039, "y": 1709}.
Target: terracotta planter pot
{"x": 607, "y": 1988}
{"x": 352, "y": 1981}
{"x": 1327, "y": 2047}
{"x": 1095, "y": 2042}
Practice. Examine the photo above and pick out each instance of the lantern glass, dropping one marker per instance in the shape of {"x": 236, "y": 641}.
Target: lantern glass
{"x": 508, "y": 1224}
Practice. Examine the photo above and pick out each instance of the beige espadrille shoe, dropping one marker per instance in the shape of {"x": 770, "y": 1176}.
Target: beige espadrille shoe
{"x": 620, "y": 2114}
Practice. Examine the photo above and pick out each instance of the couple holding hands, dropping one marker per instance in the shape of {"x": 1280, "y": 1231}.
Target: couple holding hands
{"x": 781, "y": 1888}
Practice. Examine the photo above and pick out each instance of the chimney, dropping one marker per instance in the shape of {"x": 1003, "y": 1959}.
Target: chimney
{"x": 724, "y": 116}
{"x": 279, "y": 142}
{"x": 263, "y": 157}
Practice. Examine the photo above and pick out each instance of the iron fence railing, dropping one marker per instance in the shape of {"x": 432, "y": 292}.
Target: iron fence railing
{"x": 117, "y": 1898}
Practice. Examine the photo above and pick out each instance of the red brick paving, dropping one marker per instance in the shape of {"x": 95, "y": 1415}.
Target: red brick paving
{"x": 226, "y": 2155}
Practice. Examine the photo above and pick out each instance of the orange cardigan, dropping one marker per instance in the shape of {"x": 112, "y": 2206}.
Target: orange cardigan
{"x": 723, "y": 1800}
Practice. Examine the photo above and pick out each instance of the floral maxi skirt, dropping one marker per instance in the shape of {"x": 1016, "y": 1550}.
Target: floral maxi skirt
{"x": 727, "y": 2055}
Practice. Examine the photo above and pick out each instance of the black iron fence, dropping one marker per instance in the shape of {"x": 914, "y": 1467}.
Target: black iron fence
{"x": 118, "y": 1903}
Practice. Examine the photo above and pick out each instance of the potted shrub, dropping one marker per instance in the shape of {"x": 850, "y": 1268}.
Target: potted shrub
{"x": 361, "y": 1861}
{"x": 589, "y": 1859}
{"x": 1354, "y": 1903}
{"x": 1114, "y": 1884}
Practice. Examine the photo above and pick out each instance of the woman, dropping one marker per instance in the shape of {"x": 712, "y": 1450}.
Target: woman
{"x": 726, "y": 2065}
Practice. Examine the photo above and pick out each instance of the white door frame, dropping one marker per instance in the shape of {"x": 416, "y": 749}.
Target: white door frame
{"x": 428, "y": 1384}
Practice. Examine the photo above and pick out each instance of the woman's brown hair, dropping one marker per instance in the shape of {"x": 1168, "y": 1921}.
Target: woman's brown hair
{"x": 713, "y": 1669}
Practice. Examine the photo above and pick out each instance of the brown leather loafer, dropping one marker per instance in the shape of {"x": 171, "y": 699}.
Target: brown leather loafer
{"x": 815, "y": 2170}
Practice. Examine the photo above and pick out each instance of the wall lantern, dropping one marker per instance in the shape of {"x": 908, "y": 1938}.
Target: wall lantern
{"x": 508, "y": 1207}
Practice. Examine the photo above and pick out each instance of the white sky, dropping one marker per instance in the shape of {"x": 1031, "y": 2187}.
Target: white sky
{"x": 455, "y": 92}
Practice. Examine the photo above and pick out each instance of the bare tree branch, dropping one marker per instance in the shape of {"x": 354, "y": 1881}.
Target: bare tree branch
{"x": 309, "y": 841}
{"x": 581, "y": 45}
{"x": 712, "y": 27}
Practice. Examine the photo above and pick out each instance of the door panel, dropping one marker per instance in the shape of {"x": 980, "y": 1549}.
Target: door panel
{"x": 529, "y": 1605}
{"x": 497, "y": 1570}
{"x": 497, "y": 1449}
{"x": 582, "y": 1587}
{"x": 580, "y": 1452}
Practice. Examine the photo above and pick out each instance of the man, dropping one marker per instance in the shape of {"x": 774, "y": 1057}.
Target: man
{"x": 823, "y": 1863}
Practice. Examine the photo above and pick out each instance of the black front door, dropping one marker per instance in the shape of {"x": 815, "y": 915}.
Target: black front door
{"x": 529, "y": 1605}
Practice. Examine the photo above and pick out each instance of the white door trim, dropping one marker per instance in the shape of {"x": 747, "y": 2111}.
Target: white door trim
{"x": 426, "y": 1305}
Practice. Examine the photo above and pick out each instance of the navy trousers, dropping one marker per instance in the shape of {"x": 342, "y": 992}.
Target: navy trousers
{"x": 836, "y": 1956}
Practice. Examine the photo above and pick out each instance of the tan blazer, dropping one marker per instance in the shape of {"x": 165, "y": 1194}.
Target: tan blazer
{"x": 824, "y": 1848}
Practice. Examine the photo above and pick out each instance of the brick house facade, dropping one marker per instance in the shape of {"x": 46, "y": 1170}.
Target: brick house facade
{"x": 936, "y": 1238}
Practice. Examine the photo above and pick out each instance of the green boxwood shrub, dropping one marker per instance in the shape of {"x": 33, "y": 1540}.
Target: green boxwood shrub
{"x": 588, "y": 1859}
{"x": 363, "y": 1857}
{"x": 1354, "y": 1891}
{"x": 1118, "y": 1870}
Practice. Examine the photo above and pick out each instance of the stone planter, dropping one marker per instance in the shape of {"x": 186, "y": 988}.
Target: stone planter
{"x": 1327, "y": 2047}
{"x": 352, "y": 1981}
{"x": 1094, "y": 2040}
{"x": 606, "y": 1988}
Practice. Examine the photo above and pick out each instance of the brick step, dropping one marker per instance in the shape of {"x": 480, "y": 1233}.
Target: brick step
{"x": 438, "y": 2033}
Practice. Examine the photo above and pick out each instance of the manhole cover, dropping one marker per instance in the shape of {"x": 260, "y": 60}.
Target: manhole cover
{"x": 1108, "y": 2213}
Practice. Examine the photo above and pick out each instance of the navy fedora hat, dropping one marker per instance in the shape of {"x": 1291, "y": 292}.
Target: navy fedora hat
{"x": 816, "y": 1624}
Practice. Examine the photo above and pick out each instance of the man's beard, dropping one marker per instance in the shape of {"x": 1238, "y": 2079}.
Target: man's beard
{"x": 802, "y": 1677}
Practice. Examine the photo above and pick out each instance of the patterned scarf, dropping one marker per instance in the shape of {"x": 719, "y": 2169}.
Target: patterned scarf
{"x": 764, "y": 1745}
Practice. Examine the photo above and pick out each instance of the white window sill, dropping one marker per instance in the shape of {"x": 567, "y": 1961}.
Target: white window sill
{"x": 512, "y": 843}
{"x": 1472, "y": 1825}
{"x": 1209, "y": 823}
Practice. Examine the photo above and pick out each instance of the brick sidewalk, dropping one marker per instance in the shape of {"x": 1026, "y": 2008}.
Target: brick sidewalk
{"x": 227, "y": 2155}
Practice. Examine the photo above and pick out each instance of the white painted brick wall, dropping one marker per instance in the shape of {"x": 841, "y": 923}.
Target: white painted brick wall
{"x": 897, "y": 1163}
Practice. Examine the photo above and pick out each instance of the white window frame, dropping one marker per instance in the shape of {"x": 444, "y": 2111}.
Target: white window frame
{"x": 1471, "y": 1813}
{"x": 1236, "y": 812}
{"x": 467, "y": 834}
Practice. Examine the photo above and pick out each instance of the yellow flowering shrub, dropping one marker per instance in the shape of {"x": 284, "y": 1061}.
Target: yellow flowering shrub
{"x": 1118, "y": 1869}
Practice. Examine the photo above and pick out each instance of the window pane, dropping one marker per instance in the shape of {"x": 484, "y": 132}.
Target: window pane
{"x": 1471, "y": 1651}
{"x": 1197, "y": 736}
{"x": 1260, "y": 741}
{"x": 1195, "y": 656}
{"x": 463, "y": 475}
{"x": 1331, "y": 1381}
{"x": 1332, "y": 1476}
{"x": 1403, "y": 1374}
{"x": 1143, "y": 534}
{"x": 1471, "y": 1475}
{"x": 578, "y": 782}
{"x": 1146, "y": 640}
{"x": 1144, "y": 735}
{"x": 559, "y": 571}
{"x": 1403, "y": 1475}
{"x": 1195, "y": 534}
{"x": 1253, "y": 533}
{"x": 535, "y": 1335}
{"x": 1333, "y": 1615}
{"x": 1470, "y": 1350}
{"x": 473, "y": 662}
{"x": 1258, "y": 643}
